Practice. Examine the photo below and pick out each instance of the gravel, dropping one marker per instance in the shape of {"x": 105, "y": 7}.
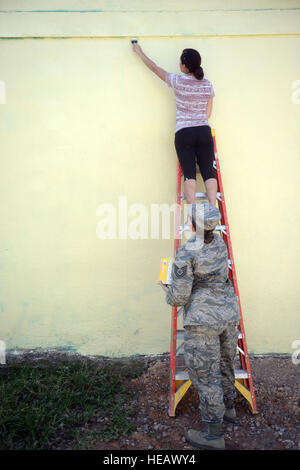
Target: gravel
{"x": 276, "y": 426}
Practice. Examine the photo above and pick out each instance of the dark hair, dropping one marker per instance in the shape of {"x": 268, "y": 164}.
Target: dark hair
{"x": 192, "y": 60}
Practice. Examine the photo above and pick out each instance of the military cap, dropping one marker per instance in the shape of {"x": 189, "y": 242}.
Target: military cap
{"x": 205, "y": 215}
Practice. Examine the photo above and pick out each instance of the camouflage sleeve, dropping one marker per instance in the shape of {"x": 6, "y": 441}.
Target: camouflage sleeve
{"x": 182, "y": 279}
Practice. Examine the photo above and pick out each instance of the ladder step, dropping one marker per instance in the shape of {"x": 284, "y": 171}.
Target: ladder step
{"x": 197, "y": 196}
{"x": 219, "y": 228}
{"x": 182, "y": 375}
{"x": 201, "y": 196}
{"x": 180, "y": 333}
{"x": 180, "y": 337}
{"x": 241, "y": 374}
{"x": 238, "y": 373}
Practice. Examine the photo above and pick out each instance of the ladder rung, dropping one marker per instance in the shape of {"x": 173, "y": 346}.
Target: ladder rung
{"x": 241, "y": 374}
{"x": 183, "y": 228}
{"x": 180, "y": 337}
{"x": 182, "y": 375}
{"x": 238, "y": 373}
{"x": 219, "y": 228}
{"x": 180, "y": 333}
{"x": 200, "y": 196}
{"x": 197, "y": 196}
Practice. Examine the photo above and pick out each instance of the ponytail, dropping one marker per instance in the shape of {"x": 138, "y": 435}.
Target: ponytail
{"x": 199, "y": 74}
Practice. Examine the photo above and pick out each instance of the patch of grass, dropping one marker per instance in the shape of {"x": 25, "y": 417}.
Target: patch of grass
{"x": 64, "y": 406}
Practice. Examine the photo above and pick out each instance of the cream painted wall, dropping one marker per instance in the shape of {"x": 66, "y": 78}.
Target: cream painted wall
{"x": 84, "y": 122}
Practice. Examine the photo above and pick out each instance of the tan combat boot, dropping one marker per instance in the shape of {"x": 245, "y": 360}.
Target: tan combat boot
{"x": 211, "y": 438}
{"x": 230, "y": 415}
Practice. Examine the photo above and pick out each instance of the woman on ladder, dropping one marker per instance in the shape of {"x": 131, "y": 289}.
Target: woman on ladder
{"x": 193, "y": 140}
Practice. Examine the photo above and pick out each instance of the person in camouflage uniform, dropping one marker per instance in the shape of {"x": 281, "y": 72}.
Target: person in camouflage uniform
{"x": 211, "y": 314}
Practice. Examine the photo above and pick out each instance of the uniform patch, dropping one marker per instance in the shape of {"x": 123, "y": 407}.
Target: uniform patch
{"x": 180, "y": 272}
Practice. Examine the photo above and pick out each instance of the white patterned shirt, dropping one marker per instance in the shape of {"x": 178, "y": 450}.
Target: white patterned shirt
{"x": 191, "y": 96}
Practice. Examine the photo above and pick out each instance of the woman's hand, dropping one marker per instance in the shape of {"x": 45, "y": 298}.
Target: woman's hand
{"x": 137, "y": 48}
{"x": 164, "y": 286}
{"x": 148, "y": 62}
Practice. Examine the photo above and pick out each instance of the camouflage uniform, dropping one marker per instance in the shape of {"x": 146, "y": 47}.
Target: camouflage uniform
{"x": 200, "y": 283}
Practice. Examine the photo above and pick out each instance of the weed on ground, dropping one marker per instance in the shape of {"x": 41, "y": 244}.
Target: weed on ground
{"x": 66, "y": 406}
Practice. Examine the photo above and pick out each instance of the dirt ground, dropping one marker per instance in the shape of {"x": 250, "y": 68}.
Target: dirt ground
{"x": 276, "y": 426}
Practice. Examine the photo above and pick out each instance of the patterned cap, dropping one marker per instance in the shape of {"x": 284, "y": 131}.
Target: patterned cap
{"x": 205, "y": 215}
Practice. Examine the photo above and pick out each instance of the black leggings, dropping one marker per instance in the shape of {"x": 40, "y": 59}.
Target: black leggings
{"x": 195, "y": 141}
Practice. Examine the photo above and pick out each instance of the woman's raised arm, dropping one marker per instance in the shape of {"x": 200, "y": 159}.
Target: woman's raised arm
{"x": 149, "y": 63}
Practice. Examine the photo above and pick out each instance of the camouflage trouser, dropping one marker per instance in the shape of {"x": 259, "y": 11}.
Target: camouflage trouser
{"x": 209, "y": 356}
